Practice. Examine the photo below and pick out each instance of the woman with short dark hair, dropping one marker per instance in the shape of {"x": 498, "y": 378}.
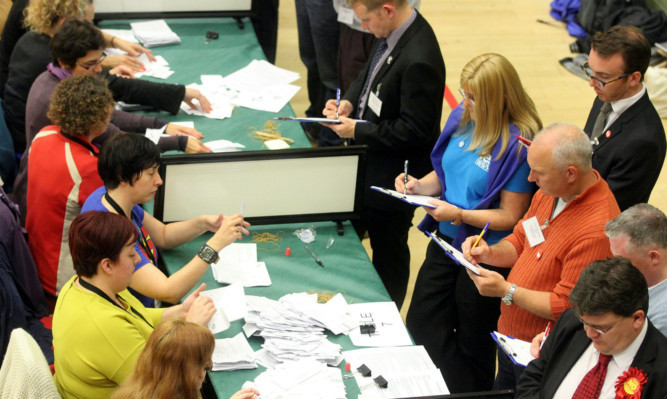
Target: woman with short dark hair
{"x": 99, "y": 328}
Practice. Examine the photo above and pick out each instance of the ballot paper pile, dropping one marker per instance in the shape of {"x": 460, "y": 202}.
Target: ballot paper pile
{"x": 154, "y": 33}
{"x": 408, "y": 371}
{"x": 259, "y": 85}
{"x": 293, "y": 327}
{"x": 300, "y": 379}
{"x": 233, "y": 354}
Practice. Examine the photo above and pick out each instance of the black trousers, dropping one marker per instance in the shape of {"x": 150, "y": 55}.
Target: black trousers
{"x": 453, "y": 321}
{"x": 388, "y": 231}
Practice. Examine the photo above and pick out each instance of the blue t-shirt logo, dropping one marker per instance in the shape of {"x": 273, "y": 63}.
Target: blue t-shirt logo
{"x": 483, "y": 162}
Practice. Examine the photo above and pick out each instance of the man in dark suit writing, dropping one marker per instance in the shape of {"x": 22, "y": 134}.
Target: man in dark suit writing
{"x": 604, "y": 347}
{"x": 400, "y": 92}
{"x": 626, "y": 131}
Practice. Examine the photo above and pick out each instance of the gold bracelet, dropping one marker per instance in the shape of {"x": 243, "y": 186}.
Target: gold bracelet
{"x": 459, "y": 218}
{"x": 112, "y": 39}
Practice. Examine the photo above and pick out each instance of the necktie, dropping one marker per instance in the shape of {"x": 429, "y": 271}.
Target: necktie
{"x": 382, "y": 47}
{"x": 591, "y": 385}
{"x": 601, "y": 120}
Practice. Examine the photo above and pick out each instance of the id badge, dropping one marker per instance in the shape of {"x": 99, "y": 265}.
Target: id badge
{"x": 374, "y": 103}
{"x": 345, "y": 15}
{"x": 533, "y": 231}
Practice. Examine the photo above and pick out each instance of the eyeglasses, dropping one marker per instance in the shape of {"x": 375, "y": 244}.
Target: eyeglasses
{"x": 597, "y": 329}
{"x": 463, "y": 93}
{"x": 599, "y": 82}
{"x": 93, "y": 64}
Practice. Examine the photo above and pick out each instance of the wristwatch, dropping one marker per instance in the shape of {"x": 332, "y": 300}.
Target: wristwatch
{"x": 507, "y": 299}
{"x": 208, "y": 254}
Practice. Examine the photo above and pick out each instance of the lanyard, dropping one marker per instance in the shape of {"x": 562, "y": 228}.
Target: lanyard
{"x": 142, "y": 239}
{"x": 83, "y": 143}
{"x": 101, "y": 293}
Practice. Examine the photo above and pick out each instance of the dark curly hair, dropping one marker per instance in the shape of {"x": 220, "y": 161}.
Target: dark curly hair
{"x": 80, "y": 104}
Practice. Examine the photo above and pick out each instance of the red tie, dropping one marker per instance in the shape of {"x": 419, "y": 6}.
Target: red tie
{"x": 591, "y": 385}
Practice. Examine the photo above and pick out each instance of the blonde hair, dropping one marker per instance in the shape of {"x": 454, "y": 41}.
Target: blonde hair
{"x": 500, "y": 99}
{"x": 42, "y": 15}
{"x": 171, "y": 363}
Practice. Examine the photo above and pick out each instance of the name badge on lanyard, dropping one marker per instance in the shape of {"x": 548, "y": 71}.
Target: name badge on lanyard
{"x": 533, "y": 231}
{"x": 374, "y": 103}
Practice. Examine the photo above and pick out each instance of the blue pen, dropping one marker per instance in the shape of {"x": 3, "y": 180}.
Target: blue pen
{"x": 405, "y": 177}
{"x": 337, "y": 101}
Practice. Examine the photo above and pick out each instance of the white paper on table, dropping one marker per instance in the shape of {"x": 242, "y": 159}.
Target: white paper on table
{"x": 389, "y": 327}
{"x": 409, "y": 384}
{"x": 189, "y": 124}
{"x": 276, "y": 144}
{"x": 155, "y": 134}
{"x": 270, "y": 98}
{"x": 233, "y": 354}
{"x": 157, "y": 69}
{"x": 154, "y": 33}
{"x": 238, "y": 253}
{"x": 395, "y": 362}
{"x": 248, "y": 274}
{"x": 224, "y": 146}
{"x": 259, "y": 74}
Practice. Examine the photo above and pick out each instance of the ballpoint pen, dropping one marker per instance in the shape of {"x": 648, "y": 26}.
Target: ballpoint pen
{"x": 337, "y": 101}
{"x": 546, "y": 334}
{"x": 479, "y": 237}
{"x": 405, "y": 177}
{"x": 317, "y": 260}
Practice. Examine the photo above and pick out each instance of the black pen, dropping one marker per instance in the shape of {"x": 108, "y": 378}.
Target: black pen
{"x": 319, "y": 262}
{"x": 405, "y": 177}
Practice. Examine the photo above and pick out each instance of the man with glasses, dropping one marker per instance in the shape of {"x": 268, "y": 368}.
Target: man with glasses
{"x": 625, "y": 129}
{"x": 604, "y": 347}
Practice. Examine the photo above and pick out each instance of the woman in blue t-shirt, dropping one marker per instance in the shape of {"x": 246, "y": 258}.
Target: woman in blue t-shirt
{"x": 480, "y": 173}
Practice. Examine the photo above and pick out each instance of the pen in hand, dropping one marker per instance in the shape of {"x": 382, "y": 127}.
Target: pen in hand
{"x": 317, "y": 260}
{"x": 405, "y": 177}
{"x": 337, "y": 101}
{"x": 479, "y": 237}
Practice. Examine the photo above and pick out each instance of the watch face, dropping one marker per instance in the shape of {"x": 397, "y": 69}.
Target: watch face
{"x": 208, "y": 254}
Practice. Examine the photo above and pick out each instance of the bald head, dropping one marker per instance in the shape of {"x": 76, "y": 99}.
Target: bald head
{"x": 568, "y": 145}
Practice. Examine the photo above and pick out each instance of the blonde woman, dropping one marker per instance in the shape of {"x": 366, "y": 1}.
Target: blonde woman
{"x": 173, "y": 364}
{"x": 480, "y": 173}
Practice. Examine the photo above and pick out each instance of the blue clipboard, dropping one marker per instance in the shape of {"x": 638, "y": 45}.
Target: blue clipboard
{"x": 453, "y": 253}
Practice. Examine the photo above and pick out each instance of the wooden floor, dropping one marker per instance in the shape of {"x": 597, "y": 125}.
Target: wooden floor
{"x": 466, "y": 29}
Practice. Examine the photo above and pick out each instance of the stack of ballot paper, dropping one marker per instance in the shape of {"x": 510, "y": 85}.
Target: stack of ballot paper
{"x": 300, "y": 379}
{"x": 230, "y": 305}
{"x": 154, "y": 33}
{"x": 408, "y": 370}
{"x": 238, "y": 264}
{"x": 293, "y": 327}
{"x": 233, "y": 354}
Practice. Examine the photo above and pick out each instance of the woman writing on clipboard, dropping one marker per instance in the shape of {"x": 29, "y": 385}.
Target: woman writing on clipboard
{"x": 480, "y": 173}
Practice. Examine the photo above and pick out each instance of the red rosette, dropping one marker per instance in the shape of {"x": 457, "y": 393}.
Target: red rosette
{"x": 630, "y": 384}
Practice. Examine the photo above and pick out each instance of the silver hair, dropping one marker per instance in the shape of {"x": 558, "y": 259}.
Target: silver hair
{"x": 643, "y": 224}
{"x": 571, "y": 148}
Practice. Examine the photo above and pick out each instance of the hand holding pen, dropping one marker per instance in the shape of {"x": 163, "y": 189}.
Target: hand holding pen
{"x": 337, "y": 101}
{"x": 479, "y": 237}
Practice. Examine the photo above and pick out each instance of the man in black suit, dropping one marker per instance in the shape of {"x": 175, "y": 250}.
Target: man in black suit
{"x": 400, "y": 92}
{"x": 626, "y": 131}
{"x": 605, "y": 342}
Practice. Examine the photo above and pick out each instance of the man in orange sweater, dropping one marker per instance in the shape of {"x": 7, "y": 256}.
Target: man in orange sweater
{"x": 562, "y": 233}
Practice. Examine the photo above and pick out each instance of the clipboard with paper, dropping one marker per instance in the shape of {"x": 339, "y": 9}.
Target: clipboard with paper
{"x": 412, "y": 199}
{"x": 453, "y": 253}
{"x": 517, "y": 350}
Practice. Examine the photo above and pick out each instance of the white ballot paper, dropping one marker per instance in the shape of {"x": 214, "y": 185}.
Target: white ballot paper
{"x": 224, "y": 146}
{"x": 230, "y": 304}
{"x": 516, "y": 349}
{"x": 409, "y": 371}
{"x": 384, "y": 316}
{"x": 300, "y": 379}
{"x": 233, "y": 354}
